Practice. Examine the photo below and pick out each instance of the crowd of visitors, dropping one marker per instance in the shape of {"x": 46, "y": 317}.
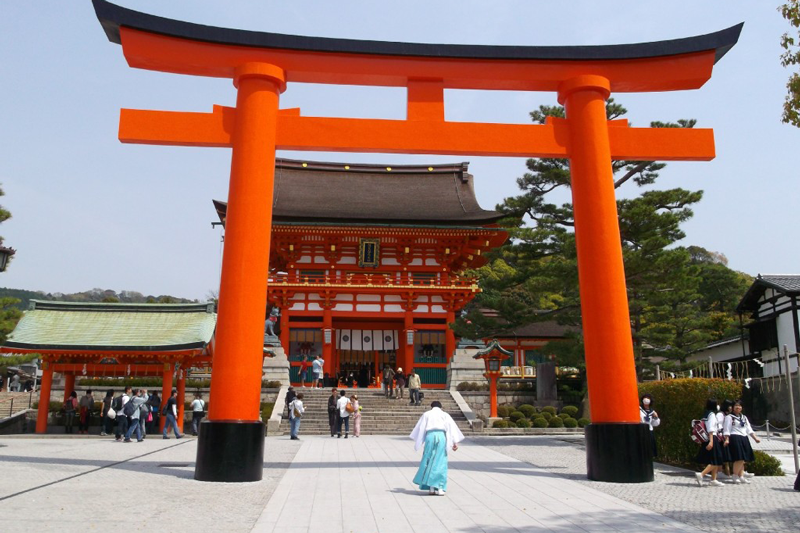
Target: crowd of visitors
{"x": 726, "y": 447}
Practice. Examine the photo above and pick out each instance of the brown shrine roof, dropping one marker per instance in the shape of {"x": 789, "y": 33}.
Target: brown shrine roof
{"x": 307, "y": 191}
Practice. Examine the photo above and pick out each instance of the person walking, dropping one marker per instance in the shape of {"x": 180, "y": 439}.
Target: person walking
{"x": 133, "y": 410}
{"x": 648, "y": 416}
{"x": 316, "y": 371}
{"x": 119, "y": 406}
{"x": 290, "y": 396}
{"x": 388, "y": 382}
{"x": 736, "y": 430}
{"x": 333, "y": 412}
{"x": 344, "y": 407}
{"x": 154, "y": 403}
{"x": 198, "y": 411}
{"x": 414, "y": 384}
{"x": 296, "y": 411}
{"x": 70, "y": 407}
{"x": 400, "y": 383}
{"x": 356, "y": 415}
{"x": 710, "y": 453}
{"x": 85, "y": 406}
{"x": 437, "y": 432}
{"x": 171, "y": 412}
{"x": 105, "y": 420}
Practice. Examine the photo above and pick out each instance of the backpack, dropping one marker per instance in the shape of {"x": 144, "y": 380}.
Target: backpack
{"x": 129, "y": 408}
{"x": 116, "y": 405}
{"x": 295, "y": 412}
{"x": 699, "y": 434}
{"x": 165, "y": 409}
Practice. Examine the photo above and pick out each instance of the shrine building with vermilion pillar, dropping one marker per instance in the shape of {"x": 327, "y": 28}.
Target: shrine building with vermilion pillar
{"x": 367, "y": 262}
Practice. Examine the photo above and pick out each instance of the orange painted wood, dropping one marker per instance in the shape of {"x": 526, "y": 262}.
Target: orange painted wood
{"x": 44, "y": 398}
{"x": 69, "y": 384}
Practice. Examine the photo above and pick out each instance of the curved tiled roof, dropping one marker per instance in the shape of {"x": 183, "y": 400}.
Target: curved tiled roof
{"x": 123, "y": 327}
{"x": 335, "y": 192}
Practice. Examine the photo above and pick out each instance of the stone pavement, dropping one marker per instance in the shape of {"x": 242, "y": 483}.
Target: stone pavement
{"x": 497, "y": 484}
{"x": 364, "y": 485}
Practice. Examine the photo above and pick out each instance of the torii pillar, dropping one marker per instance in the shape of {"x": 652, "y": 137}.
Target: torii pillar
{"x": 231, "y": 444}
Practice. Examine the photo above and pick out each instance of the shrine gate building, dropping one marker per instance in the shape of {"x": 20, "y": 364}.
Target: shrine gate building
{"x": 367, "y": 264}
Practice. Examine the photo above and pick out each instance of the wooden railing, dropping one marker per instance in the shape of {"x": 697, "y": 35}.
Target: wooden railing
{"x": 400, "y": 279}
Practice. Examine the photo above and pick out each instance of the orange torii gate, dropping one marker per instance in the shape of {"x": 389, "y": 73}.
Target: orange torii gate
{"x": 231, "y": 443}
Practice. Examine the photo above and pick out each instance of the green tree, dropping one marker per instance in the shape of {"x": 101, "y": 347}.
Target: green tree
{"x": 790, "y": 58}
{"x": 9, "y": 316}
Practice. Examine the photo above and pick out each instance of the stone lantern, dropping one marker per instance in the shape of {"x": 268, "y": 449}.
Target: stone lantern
{"x": 493, "y": 356}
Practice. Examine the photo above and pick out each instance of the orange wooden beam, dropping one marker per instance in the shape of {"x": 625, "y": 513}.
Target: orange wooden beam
{"x": 414, "y": 136}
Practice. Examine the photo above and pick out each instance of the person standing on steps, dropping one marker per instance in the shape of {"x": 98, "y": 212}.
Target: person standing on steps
{"x": 388, "y": 382}
{"x": 345, "y": 408}
{"x": 400, "y": 382}
{"x": 437, "y": 432}
{"x": 316, "y": 371}
{"x": 356, "y": 416}
{"x": 296, "y": 411}
{"x": 333, "y": 412}
{"x": 414, "y": 384}
{"x": 304, "y": 371}
{"x": 198, "y": 411}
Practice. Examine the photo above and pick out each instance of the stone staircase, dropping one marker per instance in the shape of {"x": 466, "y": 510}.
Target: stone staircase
{"x": 379, "y": 416}
{"x": 14, "y": 402}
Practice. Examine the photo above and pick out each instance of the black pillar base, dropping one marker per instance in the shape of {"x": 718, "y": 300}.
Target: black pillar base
{"x": 619, "y": 453}
{"x": 230, "y": 452}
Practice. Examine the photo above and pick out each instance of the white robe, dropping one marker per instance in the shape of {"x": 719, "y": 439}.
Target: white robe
{"x": 436, "y": 419}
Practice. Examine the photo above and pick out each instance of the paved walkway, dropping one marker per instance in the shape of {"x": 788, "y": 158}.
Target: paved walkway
{"x": 364, "y": 485}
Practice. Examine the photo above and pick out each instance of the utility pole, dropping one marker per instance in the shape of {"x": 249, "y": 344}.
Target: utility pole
{"x": 791, "y": 407}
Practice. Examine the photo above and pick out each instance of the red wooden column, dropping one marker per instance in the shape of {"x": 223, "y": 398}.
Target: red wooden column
{"x": 166, "y": 392}
{"x": 44, "y": 397}
{"x": 327, "y": 348}
{"x": 285, "y": 329}
{"x": 181, "y": 397}
{"x": 231, "y": 445}
{"x": 69, "y": 384}
{"x": 408, "y": 324}
{"x": 449, "y": 336}
{"x": 610, "y": 369}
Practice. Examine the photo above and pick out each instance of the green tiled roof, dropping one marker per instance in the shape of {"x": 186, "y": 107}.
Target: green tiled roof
{"x": 101, "y": 326}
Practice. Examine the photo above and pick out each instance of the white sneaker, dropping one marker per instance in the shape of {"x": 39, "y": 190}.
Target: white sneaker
{"x": 441, "y": 492}
{"x": 715, "y": 483}
{"x": 699, "y": 477}
{"x": 748, "y": 474}
{"x": 744, "y": 480}
{"x": 736, "y": 480}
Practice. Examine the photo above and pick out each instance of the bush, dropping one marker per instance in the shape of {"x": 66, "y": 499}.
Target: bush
{"x": 564, "y": 416}
{"x": 547, "y": 415}
{"x": 504, "y": 411}
{"x": 549, "y": 409}
{"x": 539, "y": 422}
{"x": 55, "y": 407}
{"x": 570, "y": 410}
{"x": 678, "y": 402}
{"x": 516, "y": 415}
{"x": 555, "y": 422}
{"x": 523, "y": 423}
{"x": 583, "y": 422}
{"x": 463, "y": 386}
{"x": 266, "y": 410}
{"x": 527, "y": 410}
{"x": 500, "y": 424}
{"x": 272, "y": 385}
{"x": 765, "y": 465}
{"x": 570, "y": 423}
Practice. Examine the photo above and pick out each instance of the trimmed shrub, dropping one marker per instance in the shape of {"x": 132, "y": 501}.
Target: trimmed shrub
{"x": 564, "y": 416}
{"x": 523, "y": 423}
{"x": 555, "y": 422}
{"x": 539, "y": 422}
{"x": 583, "y": 422}
{"x": 500, "y": 424}
{"x": 516, "y": 415}
{"x": 677, "y": 403}
{"x": 504, "y": 411}
{"x": 55, "y": 407}
{"x": 272, "y": 385}
{"x": 570, "y": 423}
{"x": 549, "y": 409}
{"x": 570, "y": 410}
{"x": 527, "y": 410}
{"x": 765, "y": 465}
{"x": 266, "y": 410}
{"x": 547, "y": 415}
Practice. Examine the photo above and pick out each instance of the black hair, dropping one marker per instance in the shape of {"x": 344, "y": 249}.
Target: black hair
{"x": 89, "y": 391}
{"x": 737, "y": 402}
{"x": 300, "y": 395}
{"x": 342, "y": 392}
{"x": 436, "y": 403}
{"x": 711, "y": 405}
{"x": 726, "y": 405}
{"x": 646, "y": 396}
{"x": 73, "y": 395}
{"x": 110, "y": 393}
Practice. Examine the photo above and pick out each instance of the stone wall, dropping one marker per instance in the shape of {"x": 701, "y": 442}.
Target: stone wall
{"x": 479, "y": 401}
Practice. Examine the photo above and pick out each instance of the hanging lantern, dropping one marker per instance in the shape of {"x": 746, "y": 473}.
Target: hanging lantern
{"x": 409, "y": 337}
{"x": 327, "y": 335}
{"x": 5, "y": 255}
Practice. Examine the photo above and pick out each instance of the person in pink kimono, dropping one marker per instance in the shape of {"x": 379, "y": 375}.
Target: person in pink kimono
{"x": 356, "y": 415}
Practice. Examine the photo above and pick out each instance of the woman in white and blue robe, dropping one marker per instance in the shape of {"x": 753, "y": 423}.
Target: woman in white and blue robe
{"x": 438, "y": 433}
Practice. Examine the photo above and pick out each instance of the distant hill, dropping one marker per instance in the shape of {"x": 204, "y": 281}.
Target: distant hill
{"x": 93, "y": 295}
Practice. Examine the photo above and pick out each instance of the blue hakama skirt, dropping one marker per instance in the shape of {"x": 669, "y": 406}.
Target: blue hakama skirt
{"x": 433, "y": 467}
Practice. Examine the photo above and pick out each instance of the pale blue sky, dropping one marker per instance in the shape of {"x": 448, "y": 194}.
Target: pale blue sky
{"x": 91, "y": 212}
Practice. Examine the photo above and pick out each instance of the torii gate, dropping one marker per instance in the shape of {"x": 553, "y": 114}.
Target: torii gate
{"x": 231, "y": 444}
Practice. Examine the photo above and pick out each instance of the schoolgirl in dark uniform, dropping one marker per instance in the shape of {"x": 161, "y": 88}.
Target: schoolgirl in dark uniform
{"x": 727, "y": 467}
{"x": 710, "y": 453}
{"x": 737, "y": 429}
{"x": 648, "y": 415}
